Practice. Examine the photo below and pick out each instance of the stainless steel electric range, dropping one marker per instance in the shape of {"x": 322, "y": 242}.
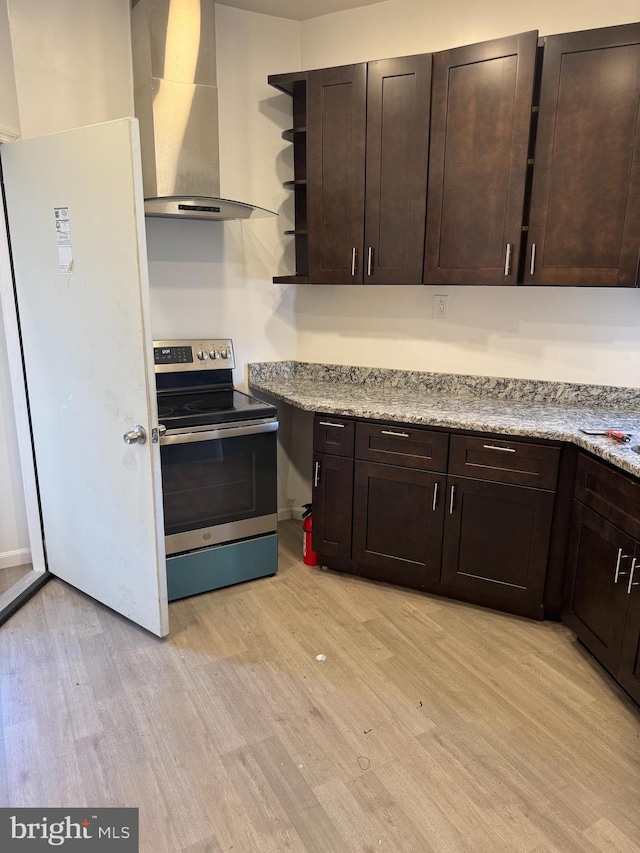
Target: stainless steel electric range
{"x": 218, "y": 457}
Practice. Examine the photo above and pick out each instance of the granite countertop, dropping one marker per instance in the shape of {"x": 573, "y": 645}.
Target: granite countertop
{"x": 550, "y": 410}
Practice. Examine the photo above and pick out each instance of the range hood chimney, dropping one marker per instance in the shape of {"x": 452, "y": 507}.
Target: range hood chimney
{"x": 176, "y": 104}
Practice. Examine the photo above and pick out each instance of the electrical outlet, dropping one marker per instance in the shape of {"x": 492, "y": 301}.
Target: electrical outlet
{"x": 440, "y": 307}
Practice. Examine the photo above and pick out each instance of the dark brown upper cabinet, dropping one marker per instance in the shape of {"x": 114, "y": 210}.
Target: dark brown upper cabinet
{"x": 360, "y": 181}
{"x": 398, "y": 99}
{"x": 584, "y": 226}
{"x": 336, "y": 132}
{"x": 480, "y": 127}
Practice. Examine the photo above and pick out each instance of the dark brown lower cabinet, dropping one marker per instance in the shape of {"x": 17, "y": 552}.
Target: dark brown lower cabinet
{"x": 332, "y": 505}
{"x": 397, "y": 523}
{"x": 603, "y": 605}
{"x": 496, "y": 540}
{"x": 629, "y": 668}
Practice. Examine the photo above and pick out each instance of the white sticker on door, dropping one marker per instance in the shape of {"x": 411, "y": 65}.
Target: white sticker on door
{"x": 63, "y": 234}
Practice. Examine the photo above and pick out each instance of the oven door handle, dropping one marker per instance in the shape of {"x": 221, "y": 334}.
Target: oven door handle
{"x": 220, "y": 432}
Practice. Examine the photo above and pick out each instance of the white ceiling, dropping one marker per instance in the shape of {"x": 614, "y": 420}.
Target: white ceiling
{"x": 297, "y": 10}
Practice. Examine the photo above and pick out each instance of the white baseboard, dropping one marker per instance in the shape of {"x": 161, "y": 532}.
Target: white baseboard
{"x": 296, "y": 512}
{"x": 21, "y": 557}
{"x": 284, "y": 513}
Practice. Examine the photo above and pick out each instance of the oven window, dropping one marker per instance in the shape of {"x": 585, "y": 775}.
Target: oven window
{"x": 205, "y": 483}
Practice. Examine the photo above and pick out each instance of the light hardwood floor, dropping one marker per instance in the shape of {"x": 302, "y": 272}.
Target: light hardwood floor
{"x": 431, "y": 726}
{"x": 12, "y": 574}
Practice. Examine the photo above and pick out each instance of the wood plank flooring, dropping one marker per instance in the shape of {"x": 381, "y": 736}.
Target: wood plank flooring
{"x": 12, "y": 574}
{"x": 431, "y": 726}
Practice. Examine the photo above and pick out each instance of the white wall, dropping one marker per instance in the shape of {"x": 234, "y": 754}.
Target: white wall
{"x": 72, "y": 62}
{"x": 581, "y": 334}
{"x": 13, "y": 524}
{"x": 213, "y": 279}
{"x": 62, "y": 64}
{"x": 9, "y": 118}
{"x": 14, "y": 535}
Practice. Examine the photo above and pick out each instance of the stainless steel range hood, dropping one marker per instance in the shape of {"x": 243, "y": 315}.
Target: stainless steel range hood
{"x": 176, "y": 103}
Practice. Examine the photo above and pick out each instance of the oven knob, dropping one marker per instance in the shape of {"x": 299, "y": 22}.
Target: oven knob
{"x": 225, "y": 353}
{"x": 214, "y": 353}
{"x": 202, "y": 355}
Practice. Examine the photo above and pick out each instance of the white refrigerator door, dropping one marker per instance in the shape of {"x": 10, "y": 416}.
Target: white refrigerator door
{"x": 76, "y": 224}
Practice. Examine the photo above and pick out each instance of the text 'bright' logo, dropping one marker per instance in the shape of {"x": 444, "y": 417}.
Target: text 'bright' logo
{"x": 83, "y": 830}
{"x": 55, "y": 833}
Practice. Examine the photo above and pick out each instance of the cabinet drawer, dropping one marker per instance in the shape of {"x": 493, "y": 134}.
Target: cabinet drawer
{"x": 504, "y": 461}
{"x": 333, "y": 434}
{"x": 611, "y": 494}
{"x": 401, "y": 445}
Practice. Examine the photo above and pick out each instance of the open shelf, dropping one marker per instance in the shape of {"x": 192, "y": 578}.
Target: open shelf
{"x": 295, "y": 85}
{"x": 294, "y": 133}
{"x": 291, "y": 279}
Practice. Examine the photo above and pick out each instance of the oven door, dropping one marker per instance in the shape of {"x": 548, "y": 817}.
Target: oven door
{"x": 219, "y": 484}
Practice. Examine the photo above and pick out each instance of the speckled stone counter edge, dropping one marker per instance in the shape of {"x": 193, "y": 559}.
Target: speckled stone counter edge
{"x": 558, "y": 416}
{"x": 526, "y": 390}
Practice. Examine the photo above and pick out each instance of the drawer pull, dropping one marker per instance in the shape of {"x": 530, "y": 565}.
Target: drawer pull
{"x": 495, "y": 447}
{"x": 397, "y": 434}
{"x": 316, "y": 475}
{"x": 328, "y": 423}
{"x": 354, "y": 258}
{"x": 435, "y": 496}
{"x": 621, "y": 556}
{"x": 453, "y": 491}
{"x": 631, "y": 583}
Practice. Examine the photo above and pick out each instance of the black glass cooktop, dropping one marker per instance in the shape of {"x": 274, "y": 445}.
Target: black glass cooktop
{"x": 200, "y": 407}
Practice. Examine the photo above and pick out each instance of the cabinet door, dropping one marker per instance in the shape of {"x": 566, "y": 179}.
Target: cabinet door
{"x": 629, "y": 668}
{"x": 584, "y": 227}
{"x": 397, "y": 530}
{"x": 598, "y": 564}
{"x": 496, "y": 539}
{"x": 398, "y": 99}
{"x": 332, "y": 505}
{"x": 336, "y": 130}
{"x": 480, "y": 122}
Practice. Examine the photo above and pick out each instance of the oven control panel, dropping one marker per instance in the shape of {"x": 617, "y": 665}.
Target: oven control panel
{"x": 171, "y": 356}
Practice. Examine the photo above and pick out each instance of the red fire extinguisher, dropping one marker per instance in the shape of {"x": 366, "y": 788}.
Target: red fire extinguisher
{"x": 309, "y": 556}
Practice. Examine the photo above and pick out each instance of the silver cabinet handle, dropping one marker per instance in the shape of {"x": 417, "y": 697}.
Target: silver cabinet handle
{"x": 532, "y": 268}
{"x": 495, "y": 447}
{"x": 138, "y": 435}
{"x": 435, "y": 496}
{"x": 397, "y": 434}
{"x": 354, "y": 256}
{"x": 507, "y": 260}
{"x": 453, "y": 492}
{"x": 370, "y": 260}
{"x": 621, "y": 556}
{"x": 316, "y": 475}
{"x": 631, "y": 583}
{"x": 328, "y": 423}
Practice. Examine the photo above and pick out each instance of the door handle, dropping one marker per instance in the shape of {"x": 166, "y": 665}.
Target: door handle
{"x": 435, "y": 496}
{"x": 370, "y": 260}
{"x": 532, "y": 267}
{"x": 354, "y": 257}
{"x": 138, "y": 435}
{"x": 453, "y": 492}
{"x": 316, "y": 475}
